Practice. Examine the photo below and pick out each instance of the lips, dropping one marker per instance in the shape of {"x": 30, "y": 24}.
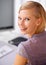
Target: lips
{"x": 23, "y": 29}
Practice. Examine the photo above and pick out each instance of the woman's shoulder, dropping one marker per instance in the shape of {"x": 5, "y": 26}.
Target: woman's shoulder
{"x": 37, "y": 38}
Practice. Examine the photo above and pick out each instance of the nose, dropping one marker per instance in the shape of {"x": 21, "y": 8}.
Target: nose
{"x": 21, "y": 22}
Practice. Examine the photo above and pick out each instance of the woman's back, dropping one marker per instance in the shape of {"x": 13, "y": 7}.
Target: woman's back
{"x": 34, "y": 49}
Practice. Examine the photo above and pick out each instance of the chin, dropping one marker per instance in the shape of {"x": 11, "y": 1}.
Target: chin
{"x": 23, "y": 32}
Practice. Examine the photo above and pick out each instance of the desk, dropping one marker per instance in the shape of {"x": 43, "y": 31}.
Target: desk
{"x": 8, "y": 35}
{"x": 9, "y": 58}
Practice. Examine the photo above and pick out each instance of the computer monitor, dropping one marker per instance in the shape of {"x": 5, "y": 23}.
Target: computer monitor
{"x": 6, "y": 14}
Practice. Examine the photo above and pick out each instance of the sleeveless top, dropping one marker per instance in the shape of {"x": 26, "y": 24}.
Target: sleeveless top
{"x": 34, "y": 49}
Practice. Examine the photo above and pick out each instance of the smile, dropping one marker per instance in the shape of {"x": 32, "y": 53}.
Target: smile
{"x": 23, "y": 29}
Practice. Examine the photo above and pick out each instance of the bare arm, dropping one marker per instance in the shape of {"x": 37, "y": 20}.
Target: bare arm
{"x": 19, "y": 60}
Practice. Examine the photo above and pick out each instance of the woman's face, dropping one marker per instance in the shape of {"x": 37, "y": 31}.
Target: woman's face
{"x": 27, "y": 21}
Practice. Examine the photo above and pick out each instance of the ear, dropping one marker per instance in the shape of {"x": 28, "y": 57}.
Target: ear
{"x": 39, "y": 21}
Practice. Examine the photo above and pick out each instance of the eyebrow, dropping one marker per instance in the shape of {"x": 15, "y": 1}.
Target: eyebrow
{"x": 24, "y": 17}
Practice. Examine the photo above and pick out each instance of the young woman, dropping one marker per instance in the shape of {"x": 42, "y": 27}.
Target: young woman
{"x": 31, "y": 21}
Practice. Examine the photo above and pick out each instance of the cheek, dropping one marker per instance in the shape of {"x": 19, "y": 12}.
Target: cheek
{"x": 18, "y": 23}
{"x": 31, "y": 26}
{"x": 27, "y": 24}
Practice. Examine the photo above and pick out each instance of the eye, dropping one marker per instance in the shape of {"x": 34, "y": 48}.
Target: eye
{"x": 27, "y": 19}
{"x": 19, "y": 18}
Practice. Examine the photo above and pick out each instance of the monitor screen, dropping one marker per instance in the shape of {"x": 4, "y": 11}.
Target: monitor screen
{"x": 6, "y": 14}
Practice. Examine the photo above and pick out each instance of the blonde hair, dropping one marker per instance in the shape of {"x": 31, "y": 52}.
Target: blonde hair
{"x": 39, "y": 12}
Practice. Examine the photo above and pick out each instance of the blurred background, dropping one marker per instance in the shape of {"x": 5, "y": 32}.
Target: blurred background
{"x": 9, "y": 16}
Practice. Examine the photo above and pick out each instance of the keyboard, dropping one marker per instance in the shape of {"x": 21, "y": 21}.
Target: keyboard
{"x": 5, "y": 50}
{"x": 17, "y": 40}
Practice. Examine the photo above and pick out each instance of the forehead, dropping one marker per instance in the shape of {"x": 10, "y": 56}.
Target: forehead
{"x": 26, "y": 12}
